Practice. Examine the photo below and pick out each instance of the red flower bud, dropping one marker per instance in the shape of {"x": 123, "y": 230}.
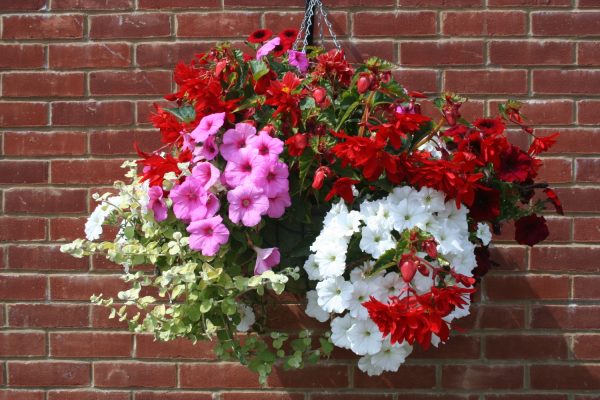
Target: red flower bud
{"x": 296, "y": 144}
{"x": 430, "y": 247}
{"x": 320, "y": 175}
{"x": 408, "y": 269}
{"x": 319, "y": 94}
{"x": 423, "y": 270}
{"x": 364, "y": 83}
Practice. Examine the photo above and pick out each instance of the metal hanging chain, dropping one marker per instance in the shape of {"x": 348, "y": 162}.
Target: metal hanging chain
{"x": 325, "y": 18}
{"x": 307, "y": 25}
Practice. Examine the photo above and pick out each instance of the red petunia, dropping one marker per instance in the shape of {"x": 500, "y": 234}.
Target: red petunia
{"x": 288, "y": 36}
{"x": 517, "y": 166}
{"x": 343, "y": 188}
{"x": 531, "y": 230}
{"x": 490, "y": 126}
{"x": 260, "y": 35}
{"x": 486, "y": 206}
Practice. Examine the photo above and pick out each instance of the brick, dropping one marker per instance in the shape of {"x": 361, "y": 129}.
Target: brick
{"x": 556, "y": 170}
{"x": 81, "y": 287}
{"x": 44, "y": 143}
{"x": 586, "y": 287}
{"x": 89, "y": 55}
{"x": 130, "y": 83}
{"x": 420, "y": 80}
{"x": 48, "y": 373}
{"x": 572, "y": 316}
{"x": 165, "y": 55}
{"x": 526, "y": 397}
{"x": 570, "y": 82}
{"x": 23, "y": 172}
{"x": 587, "y": 112}
{"x": 321, "y": 376}
{"x": 208, "y": 24}
{"x": 458, "y": 347}
{"x": 172, "y": 4}
{"x": 44, "y": 201}
{"x": 500, "y": 317}
{"x": 526, "y": 347}
{"x": 529, "y": 3}
{"x": 92, "y": 4}
{"x": 562, "y": 258}
{"x": 87, "y": 395}
{"x": 48, "y": 315}
{"x": 90, "y": 344}
{"x": 586, "y": 347}
{"x": 22, "y": 287}
{"x": 526, "y": 287}
{"x": 531, "y": 53}
{"x": 440, "y": 3}
{"x": 587, "y": 170}
{"x": 486, "y": 82}
{"x": 22, "y": 344}
{"x": 586, "y": 229}
{"x": 46, "y": 257}
{"x": 414, "y": 377}
{"x": 399, "y": 23}
{"x": 44, "y": 27}
{"x": 22, "y": 228}
{"x": 23, "y": 114}
{"x": 582, "y": 377}
{"x": 482, "y": 377}
{"x": 21, "y": 56}
{"x": 86, "y": 171}
{"x": 100, "y": 314}
{"x": 278, "y": 21}
{"x": 221, "y": 375}
{"x": 568, "y": 23}
{"x": 484, "y": 23}
{"x": 43, "y": 84}
{"x": 587, "y": 54}
{"x": 146, "y": 108}
{"x": 509, "y": 258}
{"x": 31, "y": 5}
{"x": 134, "y": 374}
{"x": 271, "y": 396}
{"x": 7, "y": 394}
{"x": 121, "y": 142}
{"x": 92, "y": 113}
{"x": 574, "y": 141}
{"x": 67, "y": 229}
{"x": 148, "y": 347}
{"x": 544, "y": 112}
{"x": 579, "y": 199}
{"x": 357, "y": 51}
{"x": 441, "y": 53}
{"x": 588, "y": 4}
{"x": 266, "y": 3}
{"x": 129, "y": 26}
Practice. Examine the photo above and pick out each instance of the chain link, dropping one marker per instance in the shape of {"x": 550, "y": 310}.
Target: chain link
{"x": 307, "y": 22}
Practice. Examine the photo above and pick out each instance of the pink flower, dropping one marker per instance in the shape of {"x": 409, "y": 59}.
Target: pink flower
{"x": 206, "y": 173}
{"x": 248, "y": 167}
{"x": 236, "y": 139}
{"x": 189, "y": 199}
{"x": 188, "y": 142}
{"x": 277, "y": 179}
{"x": 267, "y": 47}
{"x": 278, "y": 204}
{"x": 156, "y": 203}
{"x": 208, "y": 126}
{"x": 266, "y": 259}
{"x": 209, "y": 149}
{"x": 207, "y": 235}
{"x": 212, "y": 205}
{"x": 267, "y": 146}
{"x": 298, "y": 59}
{"x": 247, "y": 203}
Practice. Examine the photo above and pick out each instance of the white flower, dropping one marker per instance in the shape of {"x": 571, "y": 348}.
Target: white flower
{"x": 365, "y": 364}
{"x": 345, "y": 224}
{"x": 334, "y": 294}
{"x": 376, "y": 240}
{"x": 454, "y": 217}
{"x": 380, "y": 215}
{"x": 247, "y": 318}
{"x": 432, "y": 199}
{"x": 483, "y": 233}
{"x": 365, "y": 337}
{"x": 402, "y": 193}
{"x": 93, "y": 226}
{"x": 391, "y": 356}
{"x": 364, "y": 273}
{"x": 391, "y": 285}
{"x": 313, "y": 309}
{"x": 312, "y": 269}
{"x": 331, "y": 260}
{"x": 408, "y": 214}
{"x": 339, "y": 331}
{"x": 448, "y": 238}
{"x": 360, "y": 294}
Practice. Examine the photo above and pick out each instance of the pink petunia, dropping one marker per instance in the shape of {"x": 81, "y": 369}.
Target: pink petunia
{"x": 207, "y": 235}
{"x": 234, "y": 140}
{"x": 208, "y": 126}
{"x": 212, "y": 205}
{"x": 248, "y": 167}
{"x": 156, "y": 203}
{"x": 298, "y": 59}
{"x": 277, "y": 179}
{"x": 209, "y": 149}
{"x": 267, "y": 47}
{"x": 206, "y": 173}
{"x": 278, "y": 204}
{"x": 246, "y": 204}
{"x": 188, "y": 142}
{"x": 189, "y": 199}
{"x": 266, "y": 259}
{"x": 267, "y": 146}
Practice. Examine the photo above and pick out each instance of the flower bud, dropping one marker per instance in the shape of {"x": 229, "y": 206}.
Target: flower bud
{"x": 430, "y": 247}
{"x": 319, "y": 94}
{"x": 364, "y": 83}
{"x": 408, "y": 269}
{"x": 320, "y": 175}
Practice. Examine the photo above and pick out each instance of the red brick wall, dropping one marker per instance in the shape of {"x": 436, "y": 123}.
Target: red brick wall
{"x": 77, "y": 80}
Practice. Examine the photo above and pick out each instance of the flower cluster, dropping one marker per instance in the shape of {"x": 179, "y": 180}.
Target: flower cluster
{"x": 274, "y": 158}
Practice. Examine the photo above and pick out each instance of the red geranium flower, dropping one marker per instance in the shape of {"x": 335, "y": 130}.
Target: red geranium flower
{"x": 260, "y": 35}
{"x": 343, "y": 188}
{"x": 531, "y": 230}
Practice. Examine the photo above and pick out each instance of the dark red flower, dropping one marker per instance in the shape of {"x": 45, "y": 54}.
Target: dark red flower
{"x": 343, "y": 188}
{"x": 490, "y": 126}
{"x": 288, "y": 35}
{"x": 334, "y": 66}
{"x": 486, "y": 206}
{"x": 541, "y": 144}
{"x": 517, "y": 166}
{"x": 281, "y": 94}
{"x": 260, "y": 35}
{"x": 553, "y": 198}
{"x": 482, "y": 256}
{"x": 296, "y": 144}
{"x": 531, "y": 230}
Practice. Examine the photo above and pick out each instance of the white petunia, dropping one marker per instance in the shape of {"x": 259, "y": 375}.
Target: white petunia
{"x": 331, "y": 260}
{"x": 313, "y": 309}
{"x": 391, "y": 356}
{"x": 93, "y": 226}
{"x": 312, "y": 269}
{"x": 382, "y": 217}
{"x": 360, "y": 294}
{"x": 364, "y": 273}
{"x": 483, "y": 233}
{"x": 408, "y": 214}
{"x": 247, "y": 318}
{"x": 376, "y": 240}
{"x": 391, "y": 285}
{"x": 402, "y": 193}
{"x": 365, "y": 337}
{"x": 432, "y": 199}
{"x": 365, "y": 364}
{"x": 339, "y": 331}
{"x": 345, "y": 224}
{"x": 334, "y": 294}
{"x": 453, "y": 216}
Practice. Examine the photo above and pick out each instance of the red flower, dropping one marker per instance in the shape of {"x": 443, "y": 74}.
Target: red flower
{"x": 343, "y": 188}
{"x": 517, "y": 166}
{"x": 531, "y": 230}
{"x": 320, "y": 175}
{"x": 490, "y": 126}
{"x": 169, "y": 125}
{"x": 486, "y": 206}
{"x": 367, "y": 154}
{"x": 281, "y": 95}
{"x": 296, "y": 144}
{"x": 260, "y": 35}
{"x": 334, "y": 66}
{"x": 541, "y": 144}
{"x": 288, "y": 36}
{"x": 553, "y": 198}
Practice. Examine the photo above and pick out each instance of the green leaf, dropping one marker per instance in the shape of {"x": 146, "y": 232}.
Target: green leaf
{"x": 185, "y": 113}
{"x": 259, "y": 69}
